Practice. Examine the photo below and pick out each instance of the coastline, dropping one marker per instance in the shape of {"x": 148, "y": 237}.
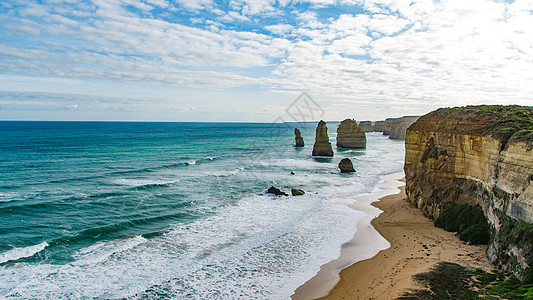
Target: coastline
{"x": 353, "y": 251}
{"x": 415, "y": 246}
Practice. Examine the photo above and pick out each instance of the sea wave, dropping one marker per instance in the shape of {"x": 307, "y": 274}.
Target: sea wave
{"x": 101, "y": 251}
{"x": 144, "y": 183}
{"x": 8, "y": 197}
{"x": 19, "y": 253}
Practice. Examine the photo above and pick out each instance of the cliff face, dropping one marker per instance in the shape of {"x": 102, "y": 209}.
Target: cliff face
{"x": 453, "y": 156}
{"x": 322, "y": 146}
{"x": 350, "y": 135}
{"x": 379, "y": 126}
{"x": 398, "y": 127}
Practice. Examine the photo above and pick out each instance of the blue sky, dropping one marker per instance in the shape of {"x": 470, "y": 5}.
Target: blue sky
{"x": 248, "y": 60}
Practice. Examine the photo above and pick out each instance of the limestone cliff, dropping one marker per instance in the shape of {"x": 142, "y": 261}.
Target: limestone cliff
{"x": 479, "y": 155}
{"x": 398, "y": 126}
{"x": 298, "y": 138}
{"x": 379, "y": 126}
{"x": 350, "y": 135}
{"x": 387, "y": 126}
{"x": 366, "y": 126}
{"x": 322, "y": 146}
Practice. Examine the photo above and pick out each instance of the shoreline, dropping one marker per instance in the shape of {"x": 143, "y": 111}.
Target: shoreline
{"x": 416, "y": 246}
{"x": 365, "y": 243}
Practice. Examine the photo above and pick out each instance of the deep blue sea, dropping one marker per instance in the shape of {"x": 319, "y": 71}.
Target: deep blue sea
{"x": 114, "y": 210}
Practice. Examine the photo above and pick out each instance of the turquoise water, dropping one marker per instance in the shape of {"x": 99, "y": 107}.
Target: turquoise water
{"x": 173, "y": 210}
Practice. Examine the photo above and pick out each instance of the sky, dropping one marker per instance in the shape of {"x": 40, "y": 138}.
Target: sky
{"x": 251, "y": 60}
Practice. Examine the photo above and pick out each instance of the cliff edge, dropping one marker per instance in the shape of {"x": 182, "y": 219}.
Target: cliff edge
{"x": 478, "y": 155}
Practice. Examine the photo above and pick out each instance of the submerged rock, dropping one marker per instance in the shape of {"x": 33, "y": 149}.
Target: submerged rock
{"x": 346, "y": 166}
{"x": 276, "y": 191}
{"x": 298, "y": 138}
{"x": 322, "y": 146}
{"x": 350, "y": 135}
{"x": 297, "y": 192}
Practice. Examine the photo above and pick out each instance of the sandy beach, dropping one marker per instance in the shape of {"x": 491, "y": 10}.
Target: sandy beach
{"x": 416, "y": 246}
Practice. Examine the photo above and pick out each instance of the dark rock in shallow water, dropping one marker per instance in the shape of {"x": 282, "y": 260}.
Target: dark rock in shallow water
{"x": 322, "y": 145}
{"x": 297, "y": 192}
{"x": 298, "y": 138}
{"x": 346, "y": 165}
{"x": 277, "y": 192}
{"x": 292, "y": 173}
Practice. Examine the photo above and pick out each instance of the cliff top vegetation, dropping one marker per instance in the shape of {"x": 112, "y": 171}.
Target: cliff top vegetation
{"x": 501, "y": 121}
{"x": 516, "y": 122}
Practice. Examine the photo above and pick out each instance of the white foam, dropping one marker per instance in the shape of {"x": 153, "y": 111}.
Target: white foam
{"x": 19, "y": 253}
{"x": 101, "y": 251}
{"x": 191, "y": 163}
{"x": 8, "y": 197}
{"x": 143, "y": 182}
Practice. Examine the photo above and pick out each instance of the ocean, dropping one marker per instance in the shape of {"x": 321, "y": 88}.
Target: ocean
{"x": 141, "y": 210}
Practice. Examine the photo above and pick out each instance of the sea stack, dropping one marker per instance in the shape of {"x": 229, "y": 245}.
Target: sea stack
{"x": 366, "y": 126}
{"x": 322, "y": 145}
{"x": 298, "y": 138}
{"x": 379, "y": 126}
{"x": 350, "y": 135}
{"x": 346, "y": 166}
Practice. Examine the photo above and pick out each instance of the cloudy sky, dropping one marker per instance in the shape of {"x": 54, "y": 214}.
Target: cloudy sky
{"x": 249, "y": 60}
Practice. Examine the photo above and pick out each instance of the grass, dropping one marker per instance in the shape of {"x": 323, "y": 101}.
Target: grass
{"x": 468, "y": 221}
{"x": 517, "y": 121}
{"x": 452, "y": 281}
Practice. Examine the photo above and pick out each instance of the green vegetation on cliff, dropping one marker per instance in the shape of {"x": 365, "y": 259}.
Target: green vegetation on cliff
{"x": 515, "y": 121}
{"x": 514, "y": 233}
{"x": 468, "y": 221}
{"x": 452, "y": 281}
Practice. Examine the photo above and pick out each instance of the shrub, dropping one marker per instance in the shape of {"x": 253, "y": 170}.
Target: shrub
{"x": 468, "y": 221}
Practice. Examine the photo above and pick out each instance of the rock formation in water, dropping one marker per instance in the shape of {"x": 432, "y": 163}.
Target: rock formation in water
{"x": 480, "y": 155}
{"x": 379, "y": 126}
{"x": 387, "y": 125}
{"x": 276, "y": 191}
{"x": 398, "y": 127}
{"x": 366, "y": 126}
{"x": 350, "y": 135}
{"x": 322, "y": 146}
{"x": 346, "y": 166}
{"x": 298, "y": 138}
{"x": 297, "y": 192}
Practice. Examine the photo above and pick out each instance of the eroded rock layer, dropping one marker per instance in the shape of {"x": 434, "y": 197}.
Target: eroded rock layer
{"x": 366, "y": 126}
{"x": 298, "y": 138}
{"x": 478, "y": 156}
{"x": 322, "y": 146}
{"x": 350, "y": 135}
{"x": 398, "y": 126}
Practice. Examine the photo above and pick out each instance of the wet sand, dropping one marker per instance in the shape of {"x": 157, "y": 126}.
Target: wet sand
{"x": 415, "y": 246}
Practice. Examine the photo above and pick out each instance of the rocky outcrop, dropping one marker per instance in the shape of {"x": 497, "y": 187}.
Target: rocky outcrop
{"x": 398, "y": 127}
{"x": 350, "y": 135}
{"x": 322, "y": 146}
{"x": 387, "y": 125}
{"x": 478, "y": 156}
{"x": 379, "y": 126}
{"x": 366, "y": 126}
{"x": 276, "y": 191}
{"x": 298, "y": 138}
{"x": 346, "y": 166}
{"x": 297, "y": 192}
